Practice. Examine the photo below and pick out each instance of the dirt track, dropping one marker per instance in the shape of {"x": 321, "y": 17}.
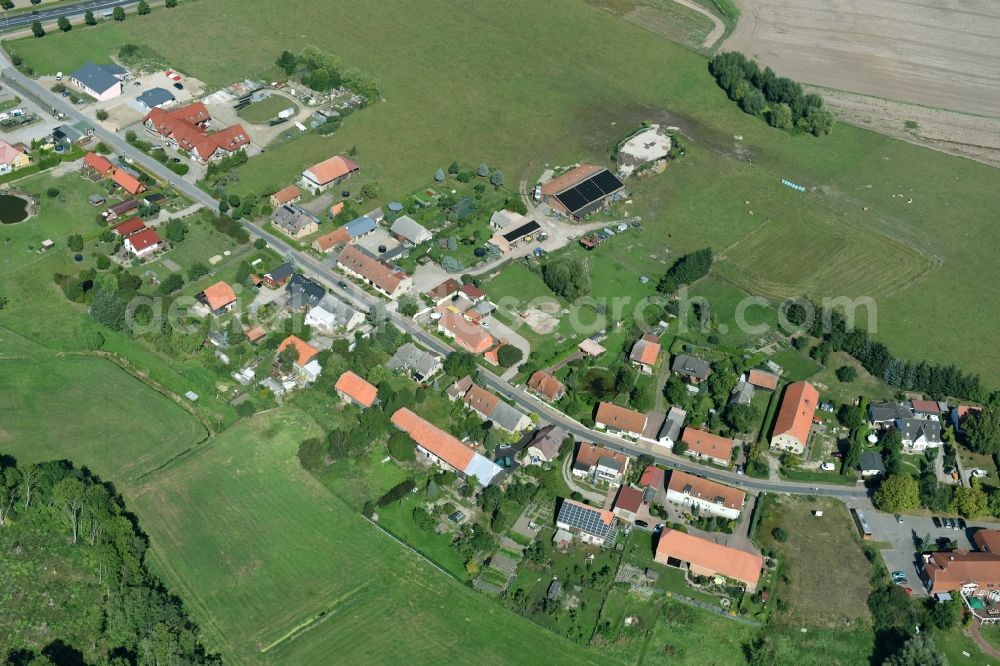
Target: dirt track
{"x": 940, "y": 54}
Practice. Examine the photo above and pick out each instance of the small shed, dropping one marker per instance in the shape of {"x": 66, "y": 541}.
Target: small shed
{"x": 555, "y": 590}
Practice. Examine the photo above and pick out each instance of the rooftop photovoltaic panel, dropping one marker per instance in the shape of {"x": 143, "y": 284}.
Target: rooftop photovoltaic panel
{"x": 582, "y": 195}
{"x": 585, "y": 519}
{"x": 607, "y": 181}
{"x": 522, "y": 231}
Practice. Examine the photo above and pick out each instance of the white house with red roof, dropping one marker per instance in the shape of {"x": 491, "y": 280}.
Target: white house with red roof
{"x": 143, "y": 243}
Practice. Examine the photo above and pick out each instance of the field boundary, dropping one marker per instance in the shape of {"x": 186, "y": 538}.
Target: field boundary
{"x": 416, "y": 552}
{"x": 319, "y": 617}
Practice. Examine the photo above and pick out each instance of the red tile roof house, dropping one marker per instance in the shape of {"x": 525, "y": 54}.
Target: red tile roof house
{"x": 127, "y": 182}
{"x": 321, "y": 177}
{"x": 98, "y": 163}
{"x": 645, "y": 353}
{"x": 546, "y": 387}
{"x": 707, "y": 558}
{"x": 703, "y": 445}
{"x": 973, "y": 573}
{"x": 481, "y": 401}
{"x": 468, "y": 335}
{"x": 763, "y": 380}
{"x": 219, "y": 297}
{"x": 144, "y": 242}
{"x": 791, "y": 428}
{"x": 443, "y": 449}
{"x": 130, "y": 226}
{"x": 652, "y": 477}
{"x": 710, "y": 497}
{"x": 627, "y": 503}
{"x": 290, "y": 194}
{"x": 355, "y": 390}
{"x": 619, "y": 420}
{"x": 598, "y": 464}
{"x": 444, "y": 291}
{"x": 306, "y": 367}
{"x": 358, "y": 263}
{"x": 185, "y": 129}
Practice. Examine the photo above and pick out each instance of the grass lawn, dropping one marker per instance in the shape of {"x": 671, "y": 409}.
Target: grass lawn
{"x": 954, "y": 642}
{"x": 88, "y": 410}
{"x": 266, "y": 549}
{"x": 839, "y": 392}
{"x": 818, "y": 592}
{"x": 796, "y": 364}
{"x": 687, "y": 635}
{"x": 971, "y": 460}
{"x": 266, "y": 109}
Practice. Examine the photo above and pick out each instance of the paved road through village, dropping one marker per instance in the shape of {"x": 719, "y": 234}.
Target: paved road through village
{"x": 324, "y": 274}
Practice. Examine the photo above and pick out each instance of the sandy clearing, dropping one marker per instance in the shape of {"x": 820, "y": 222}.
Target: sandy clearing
{"x": 937, "y": 53}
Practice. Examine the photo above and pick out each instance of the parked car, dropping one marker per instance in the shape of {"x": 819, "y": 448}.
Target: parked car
{"x": 899, "y": 519}
{"x": 950, "y": 524}
{"x": 899, "y": 576}
{"x": 936, "y": 521}
{"x": 641, "y": 523}
{"x": 58, "y": 76}
{"x": 978, "y": 473}
{"x": 954, "y": 524}
{"x": 828, "y": 467}
{"x": 962, "y": 524}
{"x": 178, "y": 86}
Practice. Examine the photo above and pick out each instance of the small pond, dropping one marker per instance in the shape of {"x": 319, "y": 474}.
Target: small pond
{"x": 12, "y": 209}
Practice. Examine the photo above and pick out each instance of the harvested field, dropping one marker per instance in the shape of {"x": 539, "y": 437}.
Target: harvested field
{"x": 962, "y": 134}
{"x": 936, "y": 53}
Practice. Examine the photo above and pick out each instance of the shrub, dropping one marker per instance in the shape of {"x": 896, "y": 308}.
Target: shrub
{"x": 779, "y": 534}
{"x": 52, "y": 192}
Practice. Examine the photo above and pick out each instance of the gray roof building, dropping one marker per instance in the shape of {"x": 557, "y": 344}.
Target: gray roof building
{"x": 555, "y": 590}
{"x": 691, "y": 366}
{"x": 888, "y": 412}
{"x": 67, "y": 133}
{"x": 303, "y": 292}
{"x": 508, "y": 418}
{"x": 293, "y": 219}
{"x": 411, "y": 359}
{"x": 409, "y": 230}
{"x": 919, "y": 432}
{"x": 871, "y": 463}
{"x": 548, "y": 441}
{"x": 671, "y": 428}
{"x": 99, "y": 78}
{"x": 742, "y": 393}
{"x": 343, "y": 314}
{"x": 360, "y": 226}
{"x": 155, "y": 97}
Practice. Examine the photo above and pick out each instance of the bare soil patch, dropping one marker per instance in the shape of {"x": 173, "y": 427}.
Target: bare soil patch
{"x": 539, "y": 321}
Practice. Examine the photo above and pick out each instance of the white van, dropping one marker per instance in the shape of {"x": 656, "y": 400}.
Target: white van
{"x": 58, "y": 76}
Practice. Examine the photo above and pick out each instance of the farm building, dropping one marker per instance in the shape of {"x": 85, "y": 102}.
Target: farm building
{"x": 407, "y": 230}
{"x": 581, "y": 190}
{"x": 321, "y": 177}
{"x": 361, "y": 264}
{"x": 505, "y": 241}
{"x": 794, "y": 421}
{"x": 186, "y": 128}
{"x": 443, "y": 449}
{"x": 645, "y": 353}
{"x": 707, "y": 558}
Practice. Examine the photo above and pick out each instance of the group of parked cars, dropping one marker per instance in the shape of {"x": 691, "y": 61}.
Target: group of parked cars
{"x": 949, "y": 523}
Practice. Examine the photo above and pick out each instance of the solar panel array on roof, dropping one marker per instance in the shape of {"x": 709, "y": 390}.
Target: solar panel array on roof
{"x": 594, "y": 188}
{"x": 522, "y": 231}
{"x": 585, "y": 519}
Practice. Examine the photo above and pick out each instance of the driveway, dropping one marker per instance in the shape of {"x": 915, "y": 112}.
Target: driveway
{"x": 500, "y": 330}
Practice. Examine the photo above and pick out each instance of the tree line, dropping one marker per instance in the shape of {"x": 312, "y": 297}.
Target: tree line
{"x": 324, "y": 71}
{"x": 54, "y": 509}
{"x": 686, "y": 270}
{"x": 777, "y": 99}
{"x": 935, "y": 380}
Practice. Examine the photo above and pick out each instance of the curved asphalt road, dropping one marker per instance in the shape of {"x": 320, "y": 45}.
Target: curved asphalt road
{"x": 337, "y": 283}
{"x": 71, "y": 11}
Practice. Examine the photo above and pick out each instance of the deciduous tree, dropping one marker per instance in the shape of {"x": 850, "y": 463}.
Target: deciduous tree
{"x": 898, "y": 493}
